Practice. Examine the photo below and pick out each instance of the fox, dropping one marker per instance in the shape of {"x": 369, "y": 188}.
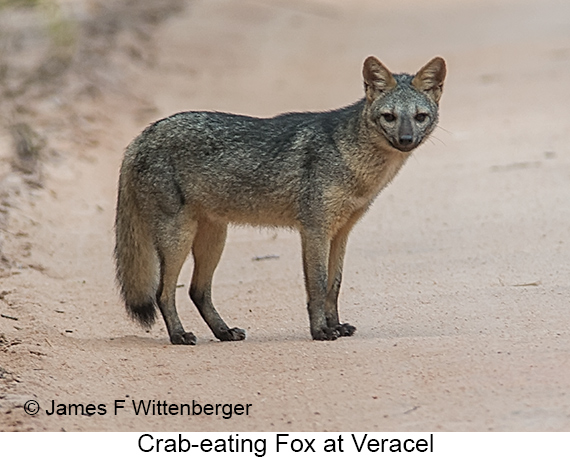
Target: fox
{"x": 188, "y": 176}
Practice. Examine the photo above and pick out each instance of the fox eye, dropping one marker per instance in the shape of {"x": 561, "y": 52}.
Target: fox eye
{"x": 388, "y": 117}
{"x": 420, "y": 117}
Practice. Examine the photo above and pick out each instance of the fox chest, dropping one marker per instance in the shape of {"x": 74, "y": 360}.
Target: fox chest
{"x": 354, "y": 197}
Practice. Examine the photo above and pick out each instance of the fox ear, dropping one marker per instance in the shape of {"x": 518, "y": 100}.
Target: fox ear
{"x": 430, "y": 78}
{"x": 377, "y": 78}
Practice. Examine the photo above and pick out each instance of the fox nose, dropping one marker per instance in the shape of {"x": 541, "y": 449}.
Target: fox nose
{"x": 406, "y": 140}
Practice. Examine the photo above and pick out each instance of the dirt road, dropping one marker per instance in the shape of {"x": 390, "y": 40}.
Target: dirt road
{"x": 458, "y": 279}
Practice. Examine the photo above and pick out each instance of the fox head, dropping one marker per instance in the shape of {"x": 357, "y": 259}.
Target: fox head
{"x": 404, "y": 108}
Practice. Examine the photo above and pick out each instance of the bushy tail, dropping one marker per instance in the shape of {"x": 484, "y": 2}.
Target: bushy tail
{"x": 136, "y": 259}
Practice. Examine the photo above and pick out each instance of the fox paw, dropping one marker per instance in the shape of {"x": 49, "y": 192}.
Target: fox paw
{"x": 232, "y": 334}
{"x": 183, "y": 338}
{"x": 345, "y": 329}
{"x": 325, "y": 334}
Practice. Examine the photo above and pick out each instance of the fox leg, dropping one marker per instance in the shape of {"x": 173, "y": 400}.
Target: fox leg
{"x": 336, "y": 258}
{"x": 173, "y": 250}
{"x": 316, "y": 247}
{"x": 207, "y": 249}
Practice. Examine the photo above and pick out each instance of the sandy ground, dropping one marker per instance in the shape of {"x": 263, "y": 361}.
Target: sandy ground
{"x": 458, "y": 279}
